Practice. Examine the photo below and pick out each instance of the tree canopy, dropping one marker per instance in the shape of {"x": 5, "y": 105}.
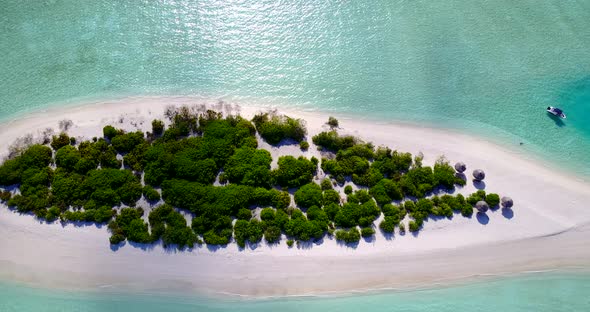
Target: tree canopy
{"x": 206, "y": 179}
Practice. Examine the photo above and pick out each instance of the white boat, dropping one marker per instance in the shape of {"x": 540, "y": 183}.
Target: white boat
{"x": 555, "y": 111}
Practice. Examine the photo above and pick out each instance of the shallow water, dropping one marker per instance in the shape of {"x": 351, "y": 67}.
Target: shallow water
{"x": 530, "y": 292}
{"x": 486, "y": 67}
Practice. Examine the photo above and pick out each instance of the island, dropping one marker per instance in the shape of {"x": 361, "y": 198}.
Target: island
{"x": 200, "y": 177}
{"x": 273, "y": 202}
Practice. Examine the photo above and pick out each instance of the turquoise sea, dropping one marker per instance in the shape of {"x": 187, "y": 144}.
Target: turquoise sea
{"x": 531, "y": 292}
{"x": 485, "y": 67}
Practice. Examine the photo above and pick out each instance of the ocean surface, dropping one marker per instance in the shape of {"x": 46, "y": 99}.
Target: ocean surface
{"x": 484, "y": 67}
{"x": 530, "y": 292}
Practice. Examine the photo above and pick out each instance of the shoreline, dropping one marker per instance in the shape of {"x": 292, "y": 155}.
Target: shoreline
{"x": 556, "y": 225}
{"x": 570, "y": 272}
{"x": 160, "y": 101}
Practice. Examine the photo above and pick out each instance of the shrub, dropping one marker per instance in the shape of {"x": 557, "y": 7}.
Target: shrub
{"x": 290, "y": 243}
{"x": 309, "y": 195}
{"x": 492, "y": 199}
{"x": 367, "y": 232}
{"x": 274, "y": 128}
{"x": 247, "y": 231}
{"x": 150, "y": 193}
{"x": 333, "y": 142}
{"x": 304, "y": 145}
{"x": 5, "y": 196}
{"x": 381, "y": 192}
{"x": 332, "y": 122}
{"x": 283, "y": 200}
{"x": 414, "y": 226}
{"x": 360, "y": 196}
{"x": 294, "y": 172}
{"x": 52, "y": 214}
{"x": 326, "y": 184}
{"x": 388, "y": 224}
{"x": 348, "y": 190}
{"x": 249, "y": 166}
{"x": 317, "y": 214}
{"x": 244, "y": 214}
{"x": 402, "y": 228}
{"x": 67, "y": 157}
{"x": 130, "y": 193}
{"x": 110, "y": 132}
{"x": 331, "y": 210}
{"x": 171, "y": 226}
{"x": 466, "y": 210}
{"x": 444, "y": 174}
{"x": 267, "y": 214}
{"x": 475, "y": 197}
{"x": 130, "y": 225}
{"x": 348, "y": 215}
{"x": 125, "y": 143}
{"x": 60, "y": 141}
{"x": 348, "y": 236}
{"x": 157, "y": 127}
{"x": 272, "y": 234}
{"x": 331, "y": 196}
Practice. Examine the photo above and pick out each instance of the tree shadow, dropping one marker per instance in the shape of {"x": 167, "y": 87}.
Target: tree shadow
{"x": 318, "y": 241}
{"x": 482, "y": 218}
{"x": 253, "y": 246}
{"x": 388, "y": 236}
{"x": 10, "y": 188}
{"x": 78, "y": 223}
{"x": 508, "y": 213}
{"x": 284, "y": 142}
{"x": 557, "y": 120}
{"x": 116, "y": 247}
{"x": 441, "y": 190}
{"x": 304, "y": 245}
{"x": 215, "y": 248}
{"x": 369, "y": 239}
{"x": 436, "y": 218}
{"x": 480, "y": 185}
{"x": 348, "y": 245}
{"x": 142, "y": 246}
{"x": 461, "y": 176}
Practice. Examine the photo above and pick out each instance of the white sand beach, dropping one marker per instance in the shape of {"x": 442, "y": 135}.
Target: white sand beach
{"x": 548, "y": 228}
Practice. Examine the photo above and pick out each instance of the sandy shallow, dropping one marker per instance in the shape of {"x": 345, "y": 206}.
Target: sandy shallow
{"x": 548, "y": 228}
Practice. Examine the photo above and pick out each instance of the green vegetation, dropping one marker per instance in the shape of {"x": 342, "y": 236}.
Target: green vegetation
{"x": 275, "y": 128}
{"x": 304, "y": 145}
{"x": 332, "y": 122}
{"x": 367, "y": 232}
{"x": 157, "y": 127}
{"x": 348, "y": 189}
{"x": 331, "y": 141}
{"x": 249, "y": 166}
{"x": 150, "y": 193}
{"x": 250, "y": 231}
{"x": 294, "y": 172}
{"x": 181, "y": 164}
{"x": 60, "y": 141}
{"x": 348, "y": 236}
{"x": 169, "y": 225}
{"x": 492, "y": 199}
{"x": 309, "y": 195}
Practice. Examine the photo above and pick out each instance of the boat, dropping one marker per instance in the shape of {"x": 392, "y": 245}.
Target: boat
{"x": 555, "y": 111}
